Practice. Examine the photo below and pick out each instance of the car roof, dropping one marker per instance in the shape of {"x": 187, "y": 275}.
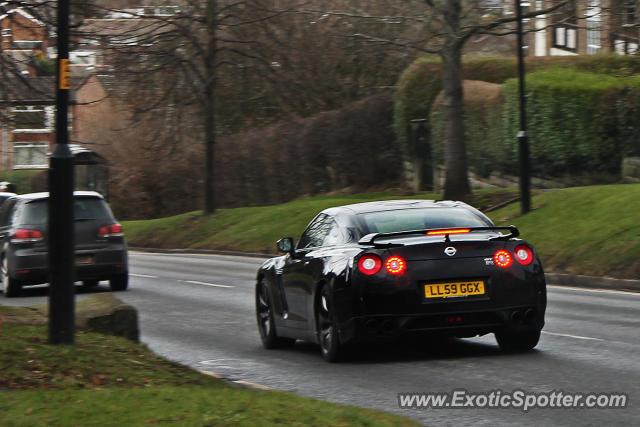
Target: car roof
{"x": 388, "y": 205}
{"x": 45, "y": 195}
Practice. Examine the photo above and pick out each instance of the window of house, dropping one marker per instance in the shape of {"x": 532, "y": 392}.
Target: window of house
{"x": 593, "y": 17}
{"x": 31, "y": 118}
{"x": 83, "y": 57}
{"x": 629, "y": 12}
{"x": 30, "y": 155}
{"x": 565, "y": 31}
{"x": 6, "y": 32}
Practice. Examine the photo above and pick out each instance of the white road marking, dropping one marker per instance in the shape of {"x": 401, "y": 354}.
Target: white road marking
{"x": 195, "y": 282}
{"x": 143, "y": 275}
{"x": 601, "y": 291}
{"x": 578, "y": 337}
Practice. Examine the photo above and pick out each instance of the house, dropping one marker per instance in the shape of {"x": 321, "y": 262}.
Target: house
{"x": 23, "y": 31}
{"x": 583, "y": 27}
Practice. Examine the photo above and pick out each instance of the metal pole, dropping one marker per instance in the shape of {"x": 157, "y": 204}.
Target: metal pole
{"x": 61, "y": 221}
{"x": 523, "y": 140}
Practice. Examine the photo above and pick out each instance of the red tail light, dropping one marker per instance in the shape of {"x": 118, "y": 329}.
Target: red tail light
{"x": 451, "y": 231}
{"x": 524, "y": 254}
{"x": 369, "y": 264}
{"x": 22, "y": 235}
{"x": 395, "y": 265}
{"x": 503, "y": 259}
{"x": 113, "y": 230}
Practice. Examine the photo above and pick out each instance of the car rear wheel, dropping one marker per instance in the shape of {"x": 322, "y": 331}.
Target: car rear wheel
{"x": 331, "y": 348}
{"x": 511, "y": 342}
{"x": 266, "y": 322}
{"x": 11, "y": 286}
{"x": 119, "y": 282}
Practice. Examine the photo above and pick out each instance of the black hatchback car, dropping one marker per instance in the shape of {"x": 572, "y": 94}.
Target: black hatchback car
{"x": 100, "y": 247}
{"x": 399, "y": 267}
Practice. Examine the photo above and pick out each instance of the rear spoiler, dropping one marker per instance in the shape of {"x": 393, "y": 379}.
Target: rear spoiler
{"x": 369, "y": 239}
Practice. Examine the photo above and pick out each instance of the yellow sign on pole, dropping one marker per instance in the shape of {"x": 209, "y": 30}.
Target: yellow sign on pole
{"x": 65, "y": 74}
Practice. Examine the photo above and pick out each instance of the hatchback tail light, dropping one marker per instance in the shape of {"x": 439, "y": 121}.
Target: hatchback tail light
{"x": 113, "y": 230}
{"x": 523, "y": 254}
{"x": 22, "y": 235}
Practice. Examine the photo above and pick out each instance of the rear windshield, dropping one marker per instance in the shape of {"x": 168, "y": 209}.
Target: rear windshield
{"x": 85, "y": 208}
{"x": 418, "y": 219}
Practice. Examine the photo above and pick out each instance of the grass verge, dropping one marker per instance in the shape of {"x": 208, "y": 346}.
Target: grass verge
{"x": 583, "y": 230}
{"x": 107, "y": 380}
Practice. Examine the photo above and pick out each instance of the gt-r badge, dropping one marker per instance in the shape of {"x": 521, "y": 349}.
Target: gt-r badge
{"x": 450, "y": 250}
{"x": 489, "y": 261}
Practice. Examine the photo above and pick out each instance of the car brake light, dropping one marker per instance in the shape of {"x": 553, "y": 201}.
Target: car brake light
{"x": 451, "y": 231}
{"x": 369, "y": 264}
{"x": 503, "y": 258}
{"x": 524, "y": 254}
{"x": 113, "y": 230}
{"x": 395, "y": 265}
{"x": 22, "y": 235}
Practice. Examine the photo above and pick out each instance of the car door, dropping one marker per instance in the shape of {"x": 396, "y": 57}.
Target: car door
{"x": 299, "y": 271}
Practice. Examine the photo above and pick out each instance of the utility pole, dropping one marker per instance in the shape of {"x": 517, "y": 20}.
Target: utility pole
{"x": 61, "y": 221}
{"x": 523, "y": 140}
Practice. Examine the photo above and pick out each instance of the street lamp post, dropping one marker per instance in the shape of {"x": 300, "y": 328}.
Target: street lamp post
{"x": 523, "y": 140}
{"x": 61, "y": 221}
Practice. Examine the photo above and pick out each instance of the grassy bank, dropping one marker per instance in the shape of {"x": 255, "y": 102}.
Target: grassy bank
{"x": 104, "y": 380}
{"x": 585, "y": 230}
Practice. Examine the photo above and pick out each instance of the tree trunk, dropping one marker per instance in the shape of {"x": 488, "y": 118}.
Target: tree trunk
{"x": 209, "y": 115}
{"x": 456, "y": 181}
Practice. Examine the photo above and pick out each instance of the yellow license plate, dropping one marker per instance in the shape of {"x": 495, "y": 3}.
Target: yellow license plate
{"x": 455, "y": 289}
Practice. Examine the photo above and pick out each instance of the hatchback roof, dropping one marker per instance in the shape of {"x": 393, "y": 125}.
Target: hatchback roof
{"x": 45, "y": 195}
{"x": 387, "y": 205}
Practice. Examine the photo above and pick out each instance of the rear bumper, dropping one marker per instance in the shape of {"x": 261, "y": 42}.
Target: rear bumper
{"x": 31, "y": 267}
{"x": 514, "y": 300}
{"x": 460, "y": 323}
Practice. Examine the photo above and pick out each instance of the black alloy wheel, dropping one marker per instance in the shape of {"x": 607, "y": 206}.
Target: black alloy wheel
{"x": 10, "y": 286}
{"x": 266, "y": 322}
{"x": 330, "y": 346}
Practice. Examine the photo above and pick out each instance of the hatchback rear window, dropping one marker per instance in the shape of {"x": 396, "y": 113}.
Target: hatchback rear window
{"x": 85, "y": 208}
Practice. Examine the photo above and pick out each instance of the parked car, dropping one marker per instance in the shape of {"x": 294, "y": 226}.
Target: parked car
{"x": 399, "y": 267}
{"x": 100, "y": 247}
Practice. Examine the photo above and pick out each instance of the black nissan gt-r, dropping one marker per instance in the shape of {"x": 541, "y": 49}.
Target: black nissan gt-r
{"x": 400, "y": 267}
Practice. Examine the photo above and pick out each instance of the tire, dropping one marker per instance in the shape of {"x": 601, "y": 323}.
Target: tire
{"x": 331, "y": 348}
{"x": 266, "y": 321}
{"x": 515, "y": 342}
{"x": 90, "y": 283}
{"x": 119, "y": 282}
{"x": 11, "y": 286}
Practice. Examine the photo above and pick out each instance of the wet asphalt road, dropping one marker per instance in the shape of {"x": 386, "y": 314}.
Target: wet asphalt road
{"x": 199, "y": 310}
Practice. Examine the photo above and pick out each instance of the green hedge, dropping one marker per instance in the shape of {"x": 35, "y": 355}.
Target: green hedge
{"x": 582, "y": 112}
{"x": 21, "y": 178}
{"x": 577, "y": 121}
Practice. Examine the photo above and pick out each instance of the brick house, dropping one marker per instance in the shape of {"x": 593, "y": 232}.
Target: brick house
{"x": 583, "y": 27}
{"x": 21, "y": 30}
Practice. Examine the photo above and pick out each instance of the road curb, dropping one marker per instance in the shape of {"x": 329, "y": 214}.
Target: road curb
{"x": 592, "y": 282}
{"x": 202, "y": 252}
{"x": 241, "y": 383}
{"x": 561, "y": 279}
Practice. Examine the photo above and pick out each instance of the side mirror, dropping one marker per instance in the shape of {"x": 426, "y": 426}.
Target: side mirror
{"x": 286, "y": 245}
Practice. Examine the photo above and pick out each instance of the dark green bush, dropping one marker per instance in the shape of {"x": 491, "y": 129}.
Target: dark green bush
{"x": 587, "y": 130}
{"x": 574, "y": 121}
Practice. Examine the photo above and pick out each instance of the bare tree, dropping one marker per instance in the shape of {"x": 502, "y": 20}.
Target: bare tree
{"x": 441, "y": 27}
